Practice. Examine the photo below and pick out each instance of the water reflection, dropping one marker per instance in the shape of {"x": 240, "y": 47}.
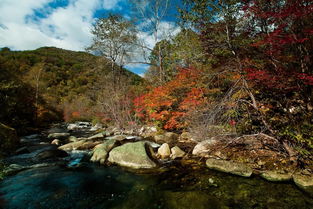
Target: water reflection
{"x": 112, "y": 187}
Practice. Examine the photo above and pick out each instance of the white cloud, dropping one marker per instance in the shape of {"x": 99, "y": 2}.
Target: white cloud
{"x": 16, "y": 10}
{"x": 166, "y": 30}
{"x": 67, "y": 27}
{"x": 111, "y": 4}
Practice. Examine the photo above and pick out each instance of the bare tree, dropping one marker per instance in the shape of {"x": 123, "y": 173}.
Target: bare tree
{"x": 152, "y": 16}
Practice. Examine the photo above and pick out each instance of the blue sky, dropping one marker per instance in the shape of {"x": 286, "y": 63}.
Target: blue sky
{"x": 30, "y": 24}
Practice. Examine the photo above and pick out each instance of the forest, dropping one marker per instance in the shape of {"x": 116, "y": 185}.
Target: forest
{"x": 234, "y": 67}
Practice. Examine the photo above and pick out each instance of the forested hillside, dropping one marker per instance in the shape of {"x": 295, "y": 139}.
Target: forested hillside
{"x": 232, "y": 67}
{"x": 50, "y": 84}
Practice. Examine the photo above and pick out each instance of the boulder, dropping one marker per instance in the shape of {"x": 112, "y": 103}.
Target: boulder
{"x": 235, "y": 168}
{"x": 100, "y": 152}
{"x": 97, "y": 136}
{"x": 56, "y": 142}
{"x": 132, "y": 155}
{"x": 276, "y": 176}
{"x": 177, "y": 153}
{"x": 305, "y": 182}
{"x": 79, "y": 145}
{"x": 8, "y": 138}
{"x": 164, "y": 151}
{"x": 202, "y": 148}
{"x": 168, "y": 137}
{"x": 58, "y": 136}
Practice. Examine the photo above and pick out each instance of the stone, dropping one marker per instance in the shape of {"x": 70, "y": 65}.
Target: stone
{"x": 132, "y": 155}
{"x": 22, "y": 150}
{"x": 58, "y": 128}
{"x": 152, "y": 129}
{"x": 305, "y": 182}
{"x": 13, "y": 169}
{"x": 129, "y": 132}
{"x": 79, "y": 145}
{"x": 134, "y": 138}
{"x": 97, "y": 136}
{"x": 117, "y": 137}
{"x": 30, "y": 138}
{"x": 152, "y": 144}
{"x": 8, "y": 138}
{"x": 53, "y": 153}
{"x": 177, "y": 153}
{"x": 168, "y": 137}
{"x": 58, "y": 136}
{"x": 164, "y": 151}
{"x": 72, "y": 127}
{"x": 100, "y": 152}
{"x": 148, "y": 131}
{"x": 73, "y": 139}
{"x": 202, "y": 148}
{"x": 96, "y": 127}
{"x": 235, "y": 168}
{"x": 186, "y": 136}
{"x": 116, "y": 131}
{"x": 276, "y": 176}
{"x": 56, "y": 142}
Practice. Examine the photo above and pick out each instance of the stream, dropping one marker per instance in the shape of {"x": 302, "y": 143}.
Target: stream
{"x": 74, "y": 182}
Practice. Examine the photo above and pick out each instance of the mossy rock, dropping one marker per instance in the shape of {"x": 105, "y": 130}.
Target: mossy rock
{"x": 276, "y": 176}
{"x": 305, "y": 182}
{"x": 132, "y": 155}
{"x": 235, "y": 168}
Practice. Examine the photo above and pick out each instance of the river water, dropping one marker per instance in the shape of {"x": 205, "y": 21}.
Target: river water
{"x": 92, "y": 186}
{"x": 77, "y": 183}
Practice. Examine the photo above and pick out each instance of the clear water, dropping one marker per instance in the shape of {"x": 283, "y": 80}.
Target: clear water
{"x": 113, "y": 187}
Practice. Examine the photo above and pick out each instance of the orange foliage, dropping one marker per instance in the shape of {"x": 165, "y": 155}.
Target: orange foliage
{"x": 168, "y": 104}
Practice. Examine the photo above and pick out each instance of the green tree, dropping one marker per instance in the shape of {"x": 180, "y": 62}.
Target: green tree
{"x": 114, "y": 39}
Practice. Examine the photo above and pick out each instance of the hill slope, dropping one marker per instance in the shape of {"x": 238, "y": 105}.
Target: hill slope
{"x": 45, "y": 81}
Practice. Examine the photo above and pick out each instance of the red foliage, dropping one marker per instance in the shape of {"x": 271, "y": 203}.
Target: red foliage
{"x": 285, "y": 39}
{"x": 308, "y": 79}
{"x": 168, "y": 104}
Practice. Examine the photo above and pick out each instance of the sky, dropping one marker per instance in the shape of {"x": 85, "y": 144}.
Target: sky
{"x": 66, "y": 24}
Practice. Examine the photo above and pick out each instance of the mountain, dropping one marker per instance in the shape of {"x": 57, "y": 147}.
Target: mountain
{"x": 37, "y": 85}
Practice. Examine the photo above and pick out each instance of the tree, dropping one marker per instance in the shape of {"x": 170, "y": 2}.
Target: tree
{"x": 152, "y": 16}
{"x": 169, "y": 105}
{"x": 184, "y": 50}
{"x": 114, "y": 39}
{"x": 283, "y": 34}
